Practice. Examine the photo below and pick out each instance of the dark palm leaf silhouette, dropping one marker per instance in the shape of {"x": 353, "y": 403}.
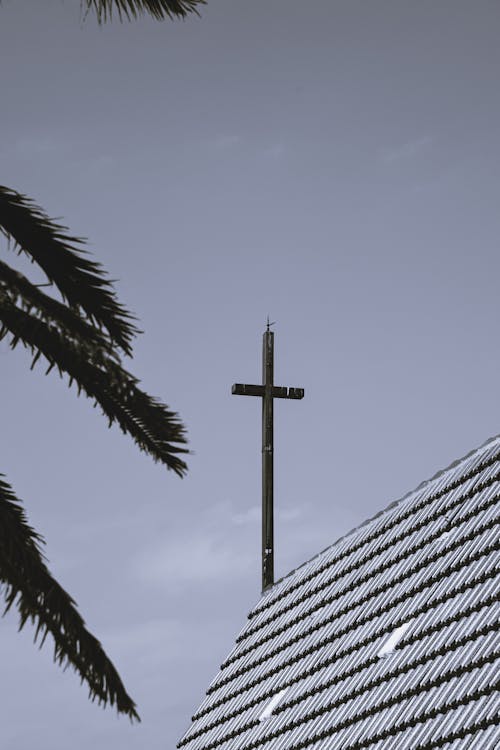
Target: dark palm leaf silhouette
{"x": 83, "y": 336}
{"x": 40, "y": 599}
{"x": 158, "y": 9}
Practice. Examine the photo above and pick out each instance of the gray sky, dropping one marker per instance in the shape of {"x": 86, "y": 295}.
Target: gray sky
{"x": 332, "y": 163}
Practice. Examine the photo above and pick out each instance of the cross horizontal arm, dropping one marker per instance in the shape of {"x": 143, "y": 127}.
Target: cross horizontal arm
{"x": 239, "y": 389}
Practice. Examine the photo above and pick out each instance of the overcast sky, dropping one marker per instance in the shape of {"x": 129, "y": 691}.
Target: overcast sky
{"x": 334, "y": 164}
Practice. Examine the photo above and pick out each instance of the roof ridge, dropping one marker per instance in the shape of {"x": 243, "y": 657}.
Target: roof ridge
{"x": 441, "y": 472}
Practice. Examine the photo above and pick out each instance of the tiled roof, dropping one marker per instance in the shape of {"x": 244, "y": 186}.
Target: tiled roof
{"x": 387, "y": 640}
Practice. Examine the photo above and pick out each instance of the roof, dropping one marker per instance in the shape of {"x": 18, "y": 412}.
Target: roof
{"x": 388, "y": 639}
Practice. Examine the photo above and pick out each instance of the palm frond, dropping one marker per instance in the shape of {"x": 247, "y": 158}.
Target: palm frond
{"x": 150, "y": 423}
{"x": 28, "y": 297}
{"x": 80, "y": 281}
{"x": 157, "y": 9}
{"x": 39, "y": 598}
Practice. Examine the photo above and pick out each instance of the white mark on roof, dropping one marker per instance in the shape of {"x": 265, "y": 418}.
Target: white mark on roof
{"x": 446, "y": 530}
{"x": 267, "y": 712}
{"x": 444, "y": 536}
{"x": 393, "y": 640}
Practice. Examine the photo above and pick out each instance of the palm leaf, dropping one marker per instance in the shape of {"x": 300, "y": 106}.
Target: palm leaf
{"x": 157, "y": 9}
{"x": 28, "y": 584}
{"x": 80, "y": 281}
{"x": 150, "y": 423}
{"x": 26, "y": 295}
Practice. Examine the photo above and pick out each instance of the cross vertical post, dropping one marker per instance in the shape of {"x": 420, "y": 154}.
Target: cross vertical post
{"x": 268, "y": 392}
{"x": 267, "y": 460}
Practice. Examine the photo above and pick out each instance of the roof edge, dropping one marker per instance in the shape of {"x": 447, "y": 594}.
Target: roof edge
{"x": 391, "y": 505}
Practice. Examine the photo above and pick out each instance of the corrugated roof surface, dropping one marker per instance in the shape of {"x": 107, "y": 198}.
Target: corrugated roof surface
{"x": 388, "y": 639}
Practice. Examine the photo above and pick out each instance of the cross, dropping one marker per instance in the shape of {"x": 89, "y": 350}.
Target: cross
{"x": 267, "y": 391}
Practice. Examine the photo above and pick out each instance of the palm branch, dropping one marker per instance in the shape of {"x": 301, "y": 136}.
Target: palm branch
{"x": 79, "y": 338}
{"x": 26, "y": 581}
{"x": 80, "y": 281}
{"x": 158, "y": 9}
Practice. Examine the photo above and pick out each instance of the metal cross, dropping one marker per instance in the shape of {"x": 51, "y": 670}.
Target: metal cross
{"x": 267, "y": 391}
